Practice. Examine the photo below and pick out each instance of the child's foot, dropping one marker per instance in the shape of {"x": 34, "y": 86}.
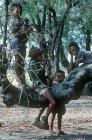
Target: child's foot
{"x": 60, "y": 133}
{"x": 44, "y": 123}
{"x": 40, "y": 125}
{"x": 51, "y": 133}
{"x": 37, "y": 119}
{"x": 36, "y": 122}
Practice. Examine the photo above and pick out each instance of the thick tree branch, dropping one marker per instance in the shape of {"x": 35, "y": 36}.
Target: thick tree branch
{"x": 38, "y": 21}
{"x": 37, "y": 27}
{"x": 44, "y": 17}
{"x": 70, "y": 89}
{"x": 54, "y": 15}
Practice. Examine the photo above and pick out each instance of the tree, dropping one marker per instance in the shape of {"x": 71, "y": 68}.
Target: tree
{"x": 70, "y": 89}
{"x": 78, "y": 25}
{"x": 49, "y": 25}
{"x": 55, "y": 24}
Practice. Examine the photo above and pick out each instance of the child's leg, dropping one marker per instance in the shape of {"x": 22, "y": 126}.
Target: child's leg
{"x": 17, "y": 47}
{"x": 48, "y": 96}
{"x": 44, "y": 119}
{"x": 19, "y": 68}
{"x": 51, "y": 122}
{"x": 59, "y": 132}
{"x": 41, "y": 110}
{"x": 59, "y": 121}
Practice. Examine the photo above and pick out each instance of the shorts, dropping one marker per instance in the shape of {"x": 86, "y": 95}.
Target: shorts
{"x": 41, "y": 91}
{"x": 18, "y": 47}
{"x": 59, "y": 108}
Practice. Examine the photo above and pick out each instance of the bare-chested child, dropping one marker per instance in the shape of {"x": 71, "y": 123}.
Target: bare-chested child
{"x": 59, "y": 107}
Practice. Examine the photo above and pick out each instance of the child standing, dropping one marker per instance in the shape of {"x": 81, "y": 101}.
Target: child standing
{"x": 59, "y": 107}
{"x": 80, "y": 56}
{"x": 20, "y": 30}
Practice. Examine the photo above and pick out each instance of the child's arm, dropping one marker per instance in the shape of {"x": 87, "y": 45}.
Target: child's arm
{"x": 23, "y": 34}
{"x": 71, "y": 66}
{"x": 71, "y": 62}
{"x": 76, "y": 63}
{"x": 15, "y": 29}
{"x": 80, "y": 58}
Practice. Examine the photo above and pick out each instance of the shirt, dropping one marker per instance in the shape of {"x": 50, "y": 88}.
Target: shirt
{"x": 37, "y": 74}
{"x": 84, "y": 57}
{"x": 17, "y": 25}
{"x": 55, "y": 83}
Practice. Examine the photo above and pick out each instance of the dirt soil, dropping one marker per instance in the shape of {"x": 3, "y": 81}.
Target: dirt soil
{"x": 16, "y": 122}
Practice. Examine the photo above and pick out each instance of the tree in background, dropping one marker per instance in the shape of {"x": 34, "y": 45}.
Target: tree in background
{"x": 56, "y": 24}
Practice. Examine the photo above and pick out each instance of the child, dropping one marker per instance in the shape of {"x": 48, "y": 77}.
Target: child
{"x": 59, "y": 107}
{"x": 40, "y": 124}
{"x": 80, "y": 56}
{"x": 20, "y": 30}
{"x": 37, "y": 76}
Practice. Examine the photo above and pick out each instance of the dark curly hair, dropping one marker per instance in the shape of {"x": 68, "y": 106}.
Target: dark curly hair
{"x": 15, "y": 5}
{"x": 73, "y": 44}
{"x": 60, "y": 71}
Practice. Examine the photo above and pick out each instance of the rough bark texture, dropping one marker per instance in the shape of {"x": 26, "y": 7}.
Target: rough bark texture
{"x": 70, "y": 89}
{"x": 87, "y": 91}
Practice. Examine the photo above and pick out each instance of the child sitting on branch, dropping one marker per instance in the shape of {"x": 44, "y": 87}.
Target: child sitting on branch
{"x": 80, "y": 56}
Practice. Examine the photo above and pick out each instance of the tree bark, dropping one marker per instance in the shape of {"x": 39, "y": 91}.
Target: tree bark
{"x": 5, "y": 25}
{"x": 88, "y": 40}
{"x": 4, "y": 59}
{"x": 70, "y": 89}
{"x": 87, "y": 91}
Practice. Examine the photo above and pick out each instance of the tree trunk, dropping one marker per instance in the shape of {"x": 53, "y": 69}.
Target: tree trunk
{"x": 87, "y": 91}
{"x": 0, "y": 62}
{"x": 4, "y": 59}
{"x": 88, "y": 40}
{"x": 70, "y": 89}
{"x": 62, "y": 57}
{"x": 5, "y": 25}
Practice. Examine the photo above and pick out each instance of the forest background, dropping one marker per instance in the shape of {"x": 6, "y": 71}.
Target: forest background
{"x": 55, "y": 24}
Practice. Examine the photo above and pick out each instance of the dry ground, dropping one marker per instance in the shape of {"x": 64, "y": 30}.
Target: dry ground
{"x": 17, "y": 122}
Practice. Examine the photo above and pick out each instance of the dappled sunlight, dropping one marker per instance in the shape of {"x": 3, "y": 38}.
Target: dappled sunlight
{"x": 14, "y": 80}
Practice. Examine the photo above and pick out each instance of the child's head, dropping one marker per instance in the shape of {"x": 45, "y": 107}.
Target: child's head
{"x": 59, "y": 76}
{"x": 73, "y": 48}
{"x": 16, "y": 9}
{"x": 36, "y": 53}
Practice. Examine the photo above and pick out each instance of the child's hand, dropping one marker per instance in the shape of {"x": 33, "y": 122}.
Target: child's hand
{"x": 26, "y": 20}
{"x": 51, "y": 77}
{"x": 30, "y": 29}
